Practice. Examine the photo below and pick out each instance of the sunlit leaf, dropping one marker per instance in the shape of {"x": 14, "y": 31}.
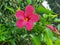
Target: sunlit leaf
{"x": 58, "y": 27}
{"x": 29, "y": 1}
{"x": 56, "y": 20}
{"x": 12, "y": 42}
{"x": 18, "y": 8}
{"x": 47, "y": 37}
{"x": 35, "y": 39}
{"x": 41, "y": 9}
{"x": 57, "y": 42}
{"x": 10, "y": 8}
{"x": 48, "y": 40}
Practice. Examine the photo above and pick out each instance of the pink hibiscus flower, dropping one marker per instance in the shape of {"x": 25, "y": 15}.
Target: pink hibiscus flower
{"x": 27, "y": 18}
{"x": 54, "y": 29}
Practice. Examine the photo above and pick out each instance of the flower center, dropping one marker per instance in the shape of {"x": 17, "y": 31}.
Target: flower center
{"x": 26, "y": 19}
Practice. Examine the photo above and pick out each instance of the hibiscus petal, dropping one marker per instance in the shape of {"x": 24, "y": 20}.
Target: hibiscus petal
{"x": 35, "y": 18}
{"x": 29, "y": 10}
{"x": 29, "y": 26}
{"x": 20, "y": 14}
{"x": 20, "y": 23}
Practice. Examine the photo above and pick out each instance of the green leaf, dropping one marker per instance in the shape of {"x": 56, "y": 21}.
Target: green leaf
{"x": 0, "y": 14}
{"x": 10, "y": 8}
{"x": 48, "y": 37}
{"x": 2, "y": 38}
{"x": 35, "y": 39}
{"x": 49, "y": 33}
{"x": 18, "y": 1}
{"x": 58, "y": 27}
{"x": 56, "y": 20}
{"x": 57, "y": 42}
{"x": 41, "y": 9}
{"x": 29, "y": 1}
{"x": 18, "y": 8}
{"x": 12, "y": 42}
{"x": 48, "y": 40}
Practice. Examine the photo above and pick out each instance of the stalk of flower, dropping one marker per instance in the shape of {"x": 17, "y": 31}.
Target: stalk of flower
{"x": 27, "y": 18}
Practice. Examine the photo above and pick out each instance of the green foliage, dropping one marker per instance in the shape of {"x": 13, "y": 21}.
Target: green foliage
{"x": 57, "y": 20}
{"x": 39, "y": 35}
{"x": 11, "y": 9}
{"x": 58, "y": 26}
{"x": 29, "y": 1}
{"x": 48, "y": 37}
{"x": 41, "y": 9}
{"x": 57, "y": 42}
{"x": 35, "y": 39}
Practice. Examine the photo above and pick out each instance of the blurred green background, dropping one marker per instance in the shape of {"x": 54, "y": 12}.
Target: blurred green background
{"x": 11, "y": 35}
